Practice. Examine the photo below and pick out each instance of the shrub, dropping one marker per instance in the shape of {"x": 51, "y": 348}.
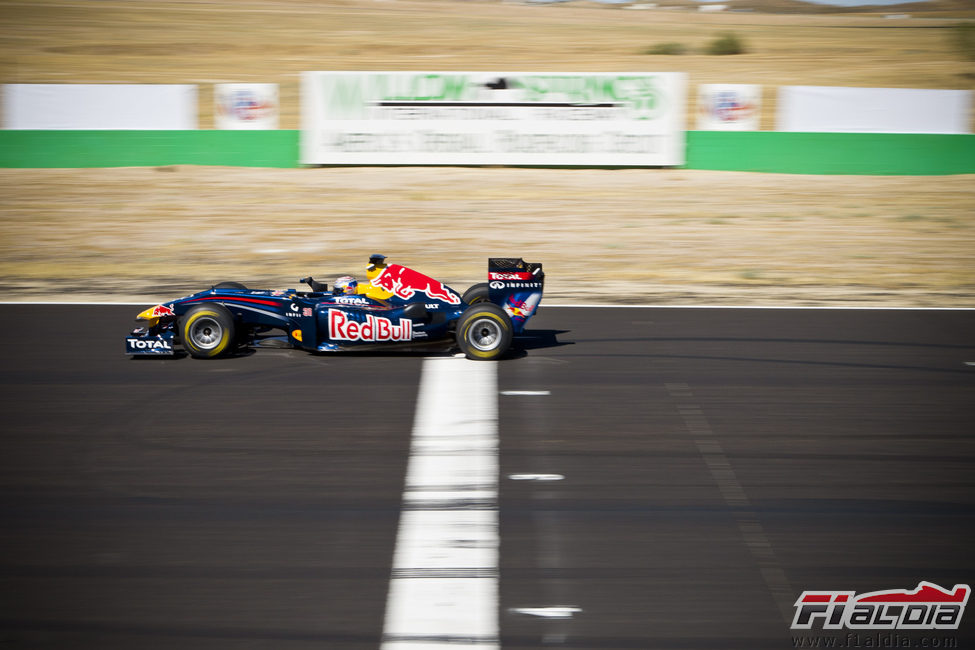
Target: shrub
{"x": 728, "y": 43}
{"x": 667, "y": 48}
{"x": 963, "y": 36}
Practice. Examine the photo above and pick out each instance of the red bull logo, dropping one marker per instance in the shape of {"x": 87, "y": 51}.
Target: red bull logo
{"x": 160, "y": 311}
{"x": 246, "y": 105}
{"x": 522, "y": 309}
{"x": 517, "y": 309}
{"x": 406, "y": 283}
{"x": 375, "y": 328}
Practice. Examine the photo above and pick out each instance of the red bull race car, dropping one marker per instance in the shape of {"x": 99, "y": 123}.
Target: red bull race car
{"x": 397, "y": 306}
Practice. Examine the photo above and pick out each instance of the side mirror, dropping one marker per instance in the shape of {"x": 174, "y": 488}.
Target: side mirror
{"x": 316, "y": 286}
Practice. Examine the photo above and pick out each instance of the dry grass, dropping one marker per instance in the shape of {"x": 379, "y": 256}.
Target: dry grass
{"x": 663, "y": 236}
{"x": 651, "y": 235}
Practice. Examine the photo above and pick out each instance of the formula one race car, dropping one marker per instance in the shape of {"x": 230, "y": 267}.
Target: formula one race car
{"x": 396, "y": 307}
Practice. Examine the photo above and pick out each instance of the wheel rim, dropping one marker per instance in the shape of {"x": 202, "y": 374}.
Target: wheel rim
{"x": 484, "y": 334}
{"x": 206, "y": 333}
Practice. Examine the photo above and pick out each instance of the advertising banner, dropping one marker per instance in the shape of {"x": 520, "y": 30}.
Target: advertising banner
{"x": 728, "y": 107}
{"x": 492, "y": 118}
{"x": 100, "y": 106}
{"x": 245, "y": 106}
{"x": 872, "y": 110}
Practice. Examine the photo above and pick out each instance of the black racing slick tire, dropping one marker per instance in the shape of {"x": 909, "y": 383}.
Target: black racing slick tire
{"x": 207, "y": 331}
{"x": 229, "y": 285}
{"x": 484, "y": 332}
{"x": 477, "y": 293}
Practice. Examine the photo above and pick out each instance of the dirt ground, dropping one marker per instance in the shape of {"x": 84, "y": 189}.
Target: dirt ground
{"x": 631, "y": 236}
{"x": 604, "y": 236}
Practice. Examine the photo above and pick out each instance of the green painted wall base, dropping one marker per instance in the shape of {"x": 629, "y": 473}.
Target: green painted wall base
{"x": 148, "y": 148}
{"x": 757, "y": 151}
{"x": 895, "y": 154}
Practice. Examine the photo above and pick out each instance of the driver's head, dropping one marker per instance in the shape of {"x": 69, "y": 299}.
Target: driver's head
{"x": 377, "y": 263}
{"x": 346, "y": 284}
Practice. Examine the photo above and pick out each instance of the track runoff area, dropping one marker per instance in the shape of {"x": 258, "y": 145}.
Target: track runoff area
{"x": 628, "y": 478}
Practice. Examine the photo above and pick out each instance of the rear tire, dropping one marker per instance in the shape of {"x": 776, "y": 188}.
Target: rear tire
{"x": 207, "y": 331}
{"x": 230, "y": 285}
{"x": 484, "y": 332}
{"x": 477, "y": 293}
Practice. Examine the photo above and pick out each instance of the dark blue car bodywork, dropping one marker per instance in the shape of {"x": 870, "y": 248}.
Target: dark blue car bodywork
{"x": 421, "y": 312}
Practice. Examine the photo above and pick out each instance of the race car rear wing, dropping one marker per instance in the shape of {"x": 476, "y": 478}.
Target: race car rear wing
{"x": 516, "y": 286}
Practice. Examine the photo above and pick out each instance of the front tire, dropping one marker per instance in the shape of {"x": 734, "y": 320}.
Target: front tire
{"x": 207, "y": 331}
{"x": 484, "y": 332}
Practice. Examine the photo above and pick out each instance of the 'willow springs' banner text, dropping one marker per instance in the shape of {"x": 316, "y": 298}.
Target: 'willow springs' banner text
{"x": 492, "y": 118}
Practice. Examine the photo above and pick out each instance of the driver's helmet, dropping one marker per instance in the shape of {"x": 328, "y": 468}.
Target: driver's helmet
{"x": 346, "y": 284}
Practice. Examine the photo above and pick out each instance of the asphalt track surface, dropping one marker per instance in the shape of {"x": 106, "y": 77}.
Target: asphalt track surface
{"x": 715, "y": 463}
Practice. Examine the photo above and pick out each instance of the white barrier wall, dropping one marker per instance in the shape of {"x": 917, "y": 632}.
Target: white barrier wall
{"x": 872, "y": 110}
{"x": 728, "y": 107}
{"x": 492, "y": 118}
{"x": 100, "y": 106}
{"x": 245, "y": 106}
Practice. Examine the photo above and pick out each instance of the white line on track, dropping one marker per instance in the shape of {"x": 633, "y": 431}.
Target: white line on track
{"x": 546, "y": 612}
{"x": 443, "y": 591}
{"x": 536, "y": 477}
{"x": 525, "y": 393}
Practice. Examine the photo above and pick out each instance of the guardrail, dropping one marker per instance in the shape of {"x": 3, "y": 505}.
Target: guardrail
{"x": 758, "y": 151}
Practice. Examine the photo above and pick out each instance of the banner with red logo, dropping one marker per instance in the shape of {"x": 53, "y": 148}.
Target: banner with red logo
{"x": 728, "y": 107}
{"x": 245, "y": 106}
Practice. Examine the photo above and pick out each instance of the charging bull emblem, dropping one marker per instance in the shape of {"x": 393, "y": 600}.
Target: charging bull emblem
{"x": 405, "y": 283}
{"x": 521, "y": 307}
